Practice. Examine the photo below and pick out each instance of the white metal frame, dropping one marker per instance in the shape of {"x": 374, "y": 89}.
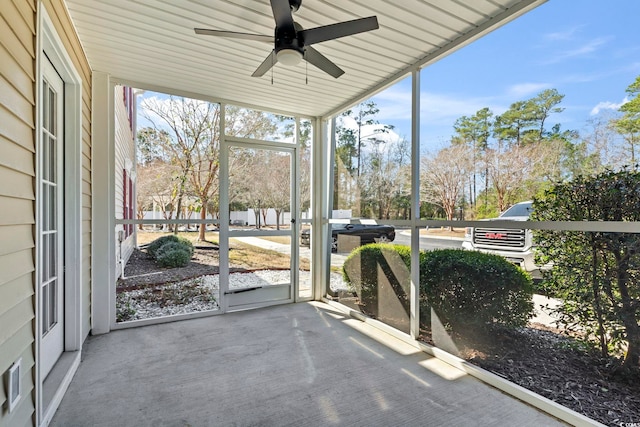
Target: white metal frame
{"x": 49, "y": 43}
{"x": 227, "y": 143}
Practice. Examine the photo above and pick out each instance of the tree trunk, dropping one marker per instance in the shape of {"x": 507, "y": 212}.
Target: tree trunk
{"x": 602, "y": 336}
{"x": 203, "y": 227}
{"x": 628, "y": 315}
{"x": 178, "y": 209}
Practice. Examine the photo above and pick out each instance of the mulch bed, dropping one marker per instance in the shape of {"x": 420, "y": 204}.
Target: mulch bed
{"x": 558, "y": 367}
{"x": 142, "y": 271}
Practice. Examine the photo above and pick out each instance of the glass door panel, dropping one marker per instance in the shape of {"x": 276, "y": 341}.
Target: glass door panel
{"x": 51, "y": 226}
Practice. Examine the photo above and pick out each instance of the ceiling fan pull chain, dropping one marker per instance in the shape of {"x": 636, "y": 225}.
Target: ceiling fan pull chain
{"x": 272, "y": 64}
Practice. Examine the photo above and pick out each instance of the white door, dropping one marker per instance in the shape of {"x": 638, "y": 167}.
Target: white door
{"x": 261, "y": 181}
{"x": 51, "y": 219}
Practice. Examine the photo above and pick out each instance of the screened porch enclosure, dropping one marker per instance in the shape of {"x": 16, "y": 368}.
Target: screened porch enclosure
{"x": 312, "y": 184}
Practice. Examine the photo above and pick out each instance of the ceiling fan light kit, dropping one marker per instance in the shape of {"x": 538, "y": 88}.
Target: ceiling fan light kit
{"x": 289, "y": 57}
{"x": 292, "y": 43}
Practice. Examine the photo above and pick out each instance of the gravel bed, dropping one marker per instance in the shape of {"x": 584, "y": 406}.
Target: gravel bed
{"x": 200, "y": 293}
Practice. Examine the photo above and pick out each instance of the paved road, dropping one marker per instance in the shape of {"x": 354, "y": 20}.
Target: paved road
{"x": 428, "y": 243}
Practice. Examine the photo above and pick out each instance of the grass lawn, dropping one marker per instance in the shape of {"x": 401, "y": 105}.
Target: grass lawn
{"x": 241, "y": 254}
{"x": 145, "y": 237}
{"x": 285, "y": 240}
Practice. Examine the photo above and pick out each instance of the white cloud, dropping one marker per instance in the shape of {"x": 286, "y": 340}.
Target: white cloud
{"x": 526, "y": 89}
{"x": 608, "y": 105}
{"x": 446, "y": 108}
{"x": 372, "y": 131}
{"x": 582, "y": 50}
{"x": 563, "y": 35}
{"x": 394, "y": 104}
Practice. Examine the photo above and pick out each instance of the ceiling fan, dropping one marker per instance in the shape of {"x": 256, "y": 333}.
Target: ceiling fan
{"x": 292, "y": 43}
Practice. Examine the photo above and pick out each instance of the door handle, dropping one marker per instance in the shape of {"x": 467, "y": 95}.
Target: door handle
{"x": 293, "y": 220}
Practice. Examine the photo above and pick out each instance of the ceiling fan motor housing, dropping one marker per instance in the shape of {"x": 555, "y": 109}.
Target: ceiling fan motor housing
{"x": 287, "y": 38}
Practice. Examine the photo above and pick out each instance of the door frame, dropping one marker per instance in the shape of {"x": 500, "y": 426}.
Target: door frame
{"x": 51, "y": 48}
{"x": 226, "y": 234}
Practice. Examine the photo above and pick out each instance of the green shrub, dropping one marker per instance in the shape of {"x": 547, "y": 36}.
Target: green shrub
{"x": 173, "y": 256}
{"x": 171, "y": 251}
{"x": 154, "y": 246}
{"x": 360, "y": 270}
{"x": 469, "y": 289}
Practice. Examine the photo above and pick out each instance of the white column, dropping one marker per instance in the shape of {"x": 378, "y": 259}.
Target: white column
{"x": 103, "y": 243}
{"x": 223, "y": 237}
{"x": 320, "y": 194}
{"x": 415, "y": 205}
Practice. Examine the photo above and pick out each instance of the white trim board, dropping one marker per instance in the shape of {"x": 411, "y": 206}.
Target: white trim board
{"x": 50, "y": 44}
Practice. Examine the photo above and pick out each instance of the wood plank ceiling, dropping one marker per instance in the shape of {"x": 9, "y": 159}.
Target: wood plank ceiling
{"x": 152, "y": 42}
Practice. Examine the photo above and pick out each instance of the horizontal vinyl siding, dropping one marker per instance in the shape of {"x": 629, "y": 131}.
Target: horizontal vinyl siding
{"x": 15, "y": 238}
{"x": 21, "y": 183}
{"x": 15, "y": 211}
{"x": 15, "y": 102}
{"x": 15, "y": 291}
{"x": 17, "y": 198}
{"x": 16, "y": 157}
{"x": 13, "y": 128}
{"x": 124, "y": 149}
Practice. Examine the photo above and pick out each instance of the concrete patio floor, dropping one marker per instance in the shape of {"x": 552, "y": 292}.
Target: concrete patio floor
{"x": 300, "y": 364}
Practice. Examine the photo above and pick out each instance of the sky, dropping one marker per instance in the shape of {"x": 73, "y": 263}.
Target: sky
{"x": 589, "y": 50}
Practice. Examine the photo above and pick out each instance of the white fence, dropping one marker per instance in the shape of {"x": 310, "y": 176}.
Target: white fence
{"x": 248, "y": 217}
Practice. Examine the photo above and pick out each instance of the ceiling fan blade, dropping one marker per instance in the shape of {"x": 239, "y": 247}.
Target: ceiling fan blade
{"x": 282, "y": 13}
{"x": 314, "y": 57}
{"x": 234, "y": 35}
{"x": 266, "y": 65}
{"x": 341, "y": 29}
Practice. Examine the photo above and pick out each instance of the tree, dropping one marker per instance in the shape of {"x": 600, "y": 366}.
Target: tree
{"x": 596, "y": 274}
{"x": 365, "y": 130}
{"x": 510, "y": 126}
{"x": 386, "y": 177}
{"x": 602, "y": 149}
{"x": 194, "y": 127}
{"x": 157, "y": 184}
{"x": 475, "y": 130}
{"x": 509, "y": 169}
{"x": 356, "y": 129}
{"x": 632, "y": 108}
{"x": 191, "y": 125}
{"x": 542, "y": 105}
{"x": 524, "y": 121}
{"x": 151, "y": 145}
{"x": 443, "y": 177}
{"x": 304, "y": 153}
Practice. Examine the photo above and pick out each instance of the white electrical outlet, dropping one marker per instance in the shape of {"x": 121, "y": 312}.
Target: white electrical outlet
{"x": 15, "y": 392}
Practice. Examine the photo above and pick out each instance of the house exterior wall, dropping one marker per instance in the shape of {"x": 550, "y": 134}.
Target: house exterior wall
{"x": 125, "y": 160}
{"x": 17, "y": 198}
{"x": 18, "y": 104}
